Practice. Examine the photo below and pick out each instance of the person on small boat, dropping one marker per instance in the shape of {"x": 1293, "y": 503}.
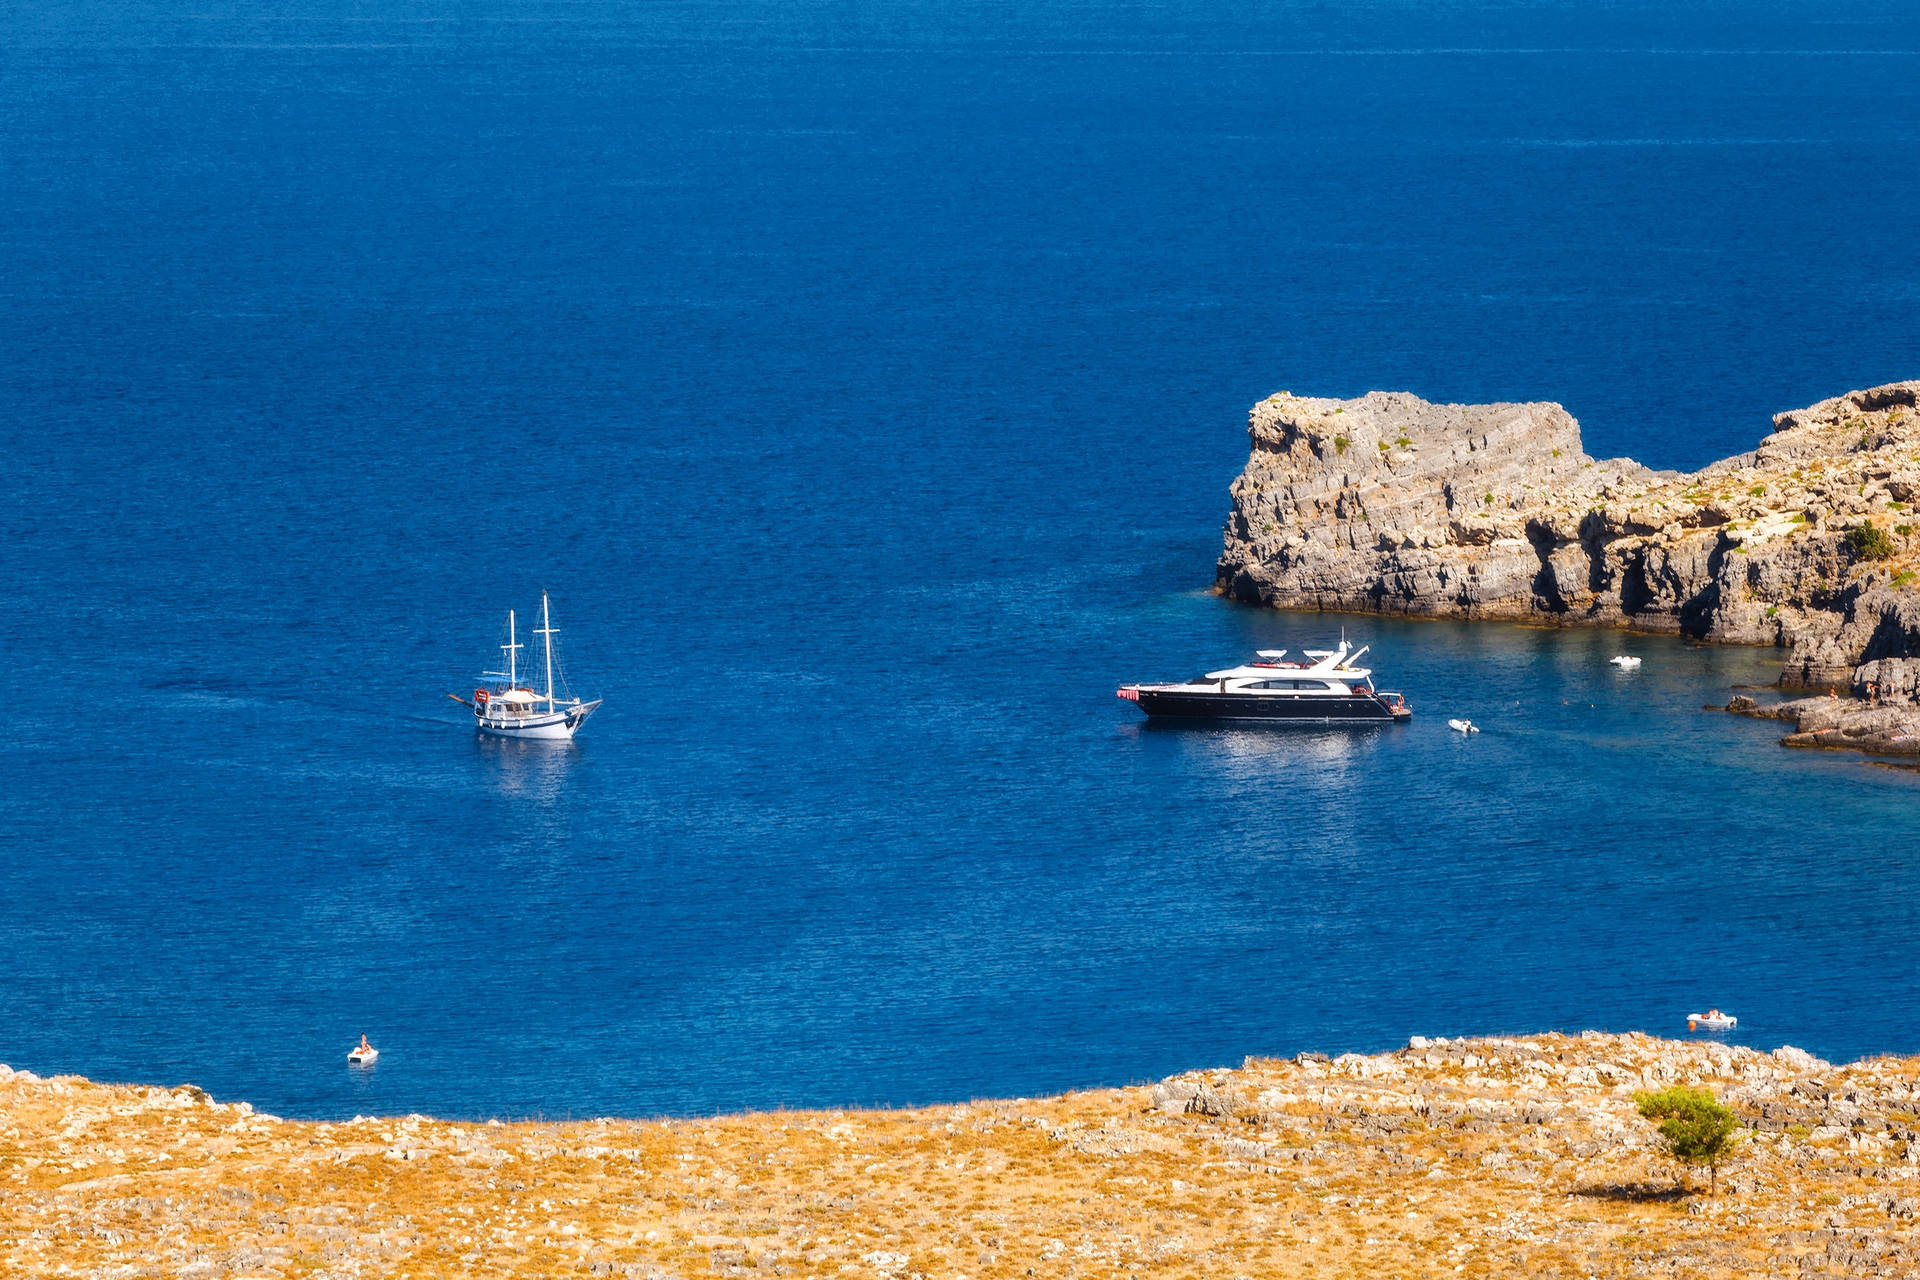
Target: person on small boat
{"x": 364, "y": 1046}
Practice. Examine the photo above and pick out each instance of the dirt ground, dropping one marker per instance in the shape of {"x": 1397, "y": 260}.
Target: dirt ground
{"x": 1474, "y": 1158}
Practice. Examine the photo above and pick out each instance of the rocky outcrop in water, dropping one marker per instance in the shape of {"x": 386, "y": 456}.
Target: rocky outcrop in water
{"x": 1882, "y": 723}
{"x": 1390, "y": 504}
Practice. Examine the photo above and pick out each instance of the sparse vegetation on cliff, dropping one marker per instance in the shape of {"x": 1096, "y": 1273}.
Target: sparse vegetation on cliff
{"x": 1870, "y": 542}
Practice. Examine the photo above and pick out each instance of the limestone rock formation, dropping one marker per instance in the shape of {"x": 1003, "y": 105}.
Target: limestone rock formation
{"x": 1390, "y": 504}
{"x": 1886, "y": 724}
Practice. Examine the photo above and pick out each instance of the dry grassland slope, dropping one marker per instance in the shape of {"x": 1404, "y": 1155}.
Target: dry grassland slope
{"x": 1519, "y": 1157}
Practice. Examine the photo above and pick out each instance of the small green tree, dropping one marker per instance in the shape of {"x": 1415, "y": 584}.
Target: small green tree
{"x": 1695, "y": 1127}
{"x": 1870, "y": 542}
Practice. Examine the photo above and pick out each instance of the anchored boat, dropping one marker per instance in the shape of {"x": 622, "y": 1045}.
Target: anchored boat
{"x": 1326, "y": 690}
{"x": 511, "y": 710}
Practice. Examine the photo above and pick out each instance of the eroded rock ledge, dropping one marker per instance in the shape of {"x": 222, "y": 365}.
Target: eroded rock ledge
{"x": 1479, "y": 1157}
{"x": 1390, "y": 504}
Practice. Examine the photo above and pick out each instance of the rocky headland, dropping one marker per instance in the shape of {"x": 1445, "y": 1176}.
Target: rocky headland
{"x": 1389, "y": 504}
{"x": 1477, "y": 1158}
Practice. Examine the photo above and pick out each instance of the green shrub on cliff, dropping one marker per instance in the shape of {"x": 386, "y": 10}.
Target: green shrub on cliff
{"x": 1870, "y": 542}
{"x": 1340, "y": 444}
{"x": 1695, "y": 1127}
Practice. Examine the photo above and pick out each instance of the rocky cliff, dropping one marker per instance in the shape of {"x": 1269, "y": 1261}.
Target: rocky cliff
{"x": 1390, "y": 504}
{"x": 1474, "y": 1158}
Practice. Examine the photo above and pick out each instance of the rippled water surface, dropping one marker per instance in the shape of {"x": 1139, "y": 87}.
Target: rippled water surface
{"x": 865, "y": 381}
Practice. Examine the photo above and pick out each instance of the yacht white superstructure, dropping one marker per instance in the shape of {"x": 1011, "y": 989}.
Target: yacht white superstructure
{"x": 510, "y": 709}
{"x": 1327, "y": 689}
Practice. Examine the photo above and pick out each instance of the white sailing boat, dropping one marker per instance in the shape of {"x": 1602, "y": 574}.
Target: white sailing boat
{"x": 511, "y": 710}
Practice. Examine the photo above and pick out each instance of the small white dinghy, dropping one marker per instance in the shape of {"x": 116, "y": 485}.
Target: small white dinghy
{"x": 1463, "y": 726}
{"x": 1625, "y": 662}
{"x": 362, "y": 1054}
{"x": 1711, "y": 1020}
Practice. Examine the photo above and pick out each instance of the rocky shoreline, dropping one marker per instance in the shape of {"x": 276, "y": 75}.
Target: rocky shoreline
{"x": 1829, "y": 722}
{"x": 1474, "y": 1157}
{"x": 1389, "y": 504}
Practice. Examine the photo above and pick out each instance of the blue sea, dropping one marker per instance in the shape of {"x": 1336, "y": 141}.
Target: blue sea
{"x": 864, "y": 381}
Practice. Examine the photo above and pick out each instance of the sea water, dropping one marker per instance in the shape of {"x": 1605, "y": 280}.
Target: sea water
{"x": 864, "y": 382}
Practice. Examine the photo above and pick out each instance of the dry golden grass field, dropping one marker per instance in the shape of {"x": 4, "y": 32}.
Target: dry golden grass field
{"x": 1474, "y": 1158}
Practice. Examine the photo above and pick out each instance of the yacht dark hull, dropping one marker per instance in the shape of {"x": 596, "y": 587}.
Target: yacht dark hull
{"x": 1196, "y": 705}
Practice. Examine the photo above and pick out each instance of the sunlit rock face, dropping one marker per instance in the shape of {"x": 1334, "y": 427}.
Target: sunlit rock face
{"x": 1390, "y": 504}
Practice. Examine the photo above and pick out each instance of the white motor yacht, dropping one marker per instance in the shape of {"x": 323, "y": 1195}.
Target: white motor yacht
{"x": 1326, "y": 689}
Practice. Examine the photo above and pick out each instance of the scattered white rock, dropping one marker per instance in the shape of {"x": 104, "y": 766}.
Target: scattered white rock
{"x": 1800, "y": 1059}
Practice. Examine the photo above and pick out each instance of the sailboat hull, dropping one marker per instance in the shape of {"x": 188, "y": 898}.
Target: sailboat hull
{"x": 553, "y": 726}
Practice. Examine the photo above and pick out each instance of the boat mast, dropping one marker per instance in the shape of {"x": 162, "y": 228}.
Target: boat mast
{"x": 512, "y": 646}
{"x": 546, "y": 631}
